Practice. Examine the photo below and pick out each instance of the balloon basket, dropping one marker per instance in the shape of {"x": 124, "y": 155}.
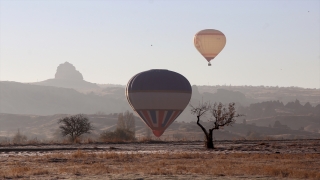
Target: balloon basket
{"x": 209, "y": 64}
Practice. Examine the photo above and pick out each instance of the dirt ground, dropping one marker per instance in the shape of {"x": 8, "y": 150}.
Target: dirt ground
{"x": 261, "y": 159}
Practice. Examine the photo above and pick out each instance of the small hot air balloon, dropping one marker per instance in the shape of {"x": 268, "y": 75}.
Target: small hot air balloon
{"x": 209, "y": 43}
{"x": 158, "y": 96}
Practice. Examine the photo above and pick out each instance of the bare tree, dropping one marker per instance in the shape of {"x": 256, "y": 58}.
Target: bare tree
{"x": 125, "y": 129}
{"x": 19, "y": 138}
{"x": 126, "y": 122}
{"x": 220, "y": 116}
{"x": 74, "y": 126}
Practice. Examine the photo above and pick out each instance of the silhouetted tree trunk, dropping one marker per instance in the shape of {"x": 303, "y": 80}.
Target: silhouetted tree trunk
{"x": 221, "y": 116}
{"x": 209, "y": 143}
{"x": 208, "y": 135}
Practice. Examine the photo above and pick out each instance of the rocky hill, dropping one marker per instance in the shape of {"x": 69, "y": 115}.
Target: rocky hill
{"x": 69, "y": 93}
{"x": 68, "y": 77}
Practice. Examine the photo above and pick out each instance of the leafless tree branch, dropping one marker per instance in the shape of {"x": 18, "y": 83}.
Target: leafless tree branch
{"x": 220, "y": 116}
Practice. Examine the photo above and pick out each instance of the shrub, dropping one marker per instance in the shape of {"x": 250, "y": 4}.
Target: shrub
{"x": 75, "y": 126}
{"x": 19, "y": 138}
{"x": 118, "y": 135}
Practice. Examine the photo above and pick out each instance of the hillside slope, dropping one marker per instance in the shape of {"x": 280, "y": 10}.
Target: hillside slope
{"x": 46, "y": 127}
{"x": 19, "y": 98}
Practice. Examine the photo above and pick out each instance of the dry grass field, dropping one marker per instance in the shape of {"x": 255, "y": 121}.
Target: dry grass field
{"x": 230, "y": 160}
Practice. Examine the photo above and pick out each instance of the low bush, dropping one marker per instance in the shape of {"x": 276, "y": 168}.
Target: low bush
{"x": 118, "y": 135}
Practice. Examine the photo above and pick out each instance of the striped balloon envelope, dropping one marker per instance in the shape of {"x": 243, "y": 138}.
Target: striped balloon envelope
{"x": 158, "y": 97}
{"x": 209, "y": 43}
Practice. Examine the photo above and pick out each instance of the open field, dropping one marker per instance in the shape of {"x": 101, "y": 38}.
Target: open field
{"x": 299, "y": 159}
{"x": 289, "y": 159}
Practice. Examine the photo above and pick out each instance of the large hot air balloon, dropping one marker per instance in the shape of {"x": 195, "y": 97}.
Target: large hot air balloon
{"x": 209, "y": 43}
{"x": 158, "y": 96}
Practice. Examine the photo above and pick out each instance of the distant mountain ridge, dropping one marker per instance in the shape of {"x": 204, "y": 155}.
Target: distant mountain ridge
{"x": 34, "y": 100}
{"x": 20, "y": 98}
{"x": 67, "y": 76}
{"x": 68, "y": 93}
{"x": 80, "y": 85}
{"x": 270, "y": 93}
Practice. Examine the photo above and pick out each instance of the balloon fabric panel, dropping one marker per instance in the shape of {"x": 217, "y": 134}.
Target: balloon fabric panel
{"x": 158, "y": 97}
{"x": 159, "y": 120}
{"x": 158, "y": 100}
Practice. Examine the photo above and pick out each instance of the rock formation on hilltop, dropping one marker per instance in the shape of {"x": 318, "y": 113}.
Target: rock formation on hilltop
{"x": 68, "y": 71}
{"x": 68, "y": 77}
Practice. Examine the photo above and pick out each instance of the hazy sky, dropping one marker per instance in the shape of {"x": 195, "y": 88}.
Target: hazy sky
{"x": 272, "y": 43}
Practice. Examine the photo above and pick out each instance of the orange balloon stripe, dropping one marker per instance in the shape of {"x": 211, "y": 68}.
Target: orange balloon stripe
{"x": 210, "y": 55}
{"x": 158, "y": 133}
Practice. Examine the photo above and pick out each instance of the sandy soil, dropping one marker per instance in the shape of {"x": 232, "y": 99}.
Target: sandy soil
{"x": 16, "y": 159}
{"x": 166, "y": 177}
